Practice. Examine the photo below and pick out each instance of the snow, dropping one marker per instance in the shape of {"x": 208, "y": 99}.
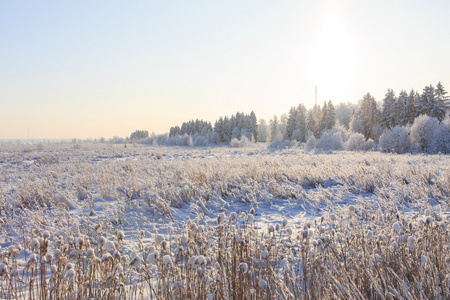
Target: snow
{"x": 130, "y": 221}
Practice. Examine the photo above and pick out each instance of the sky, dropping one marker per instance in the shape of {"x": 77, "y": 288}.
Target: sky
{"x": 90, "y": 69}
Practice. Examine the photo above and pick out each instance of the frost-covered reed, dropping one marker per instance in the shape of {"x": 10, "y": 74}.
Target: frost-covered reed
{"x": 360, "y": 253}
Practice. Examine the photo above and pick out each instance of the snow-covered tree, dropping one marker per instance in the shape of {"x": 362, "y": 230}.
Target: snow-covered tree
{"x": 274, "y": 127}
{"x": 388, "y": 113}
{"x": 345, "y": 112}
{"x": 139, "y": 135}
{"x": 423, "y": 134}
{"x": 263, "y": 131}
{"x": 355, "y": 142}
{"x": 442, "y": 139}
{"x": 395, "y": 140}
{"x": 442, "y": 106}
{"x": 328, "y": 117}
{"x": 356, "y": 124}
{"x": 369, "y": 115}
{"x": 330, "y": 140}
{"x": 401, "y": 108}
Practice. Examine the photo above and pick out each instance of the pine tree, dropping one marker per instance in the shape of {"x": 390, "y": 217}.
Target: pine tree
{"x": 442, "y": 102}
{"x": 369, "y": 116}
{"x": 401, "y": 109}
{"x": 301, "y": 121}
{"x": 413, "y": 103}
{"x": 324, "y": 119}
{"x": 311, "y": 122}
{"x": 388, "y": 113}
{"x": 253, "y": 126}
{"x": 274, "y": 126}
{"x": 291, "y": 122}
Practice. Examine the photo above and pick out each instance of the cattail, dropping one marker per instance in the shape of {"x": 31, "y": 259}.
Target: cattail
{"x": 107, "y": 257}
{"x": 3, "y": 269}
{"x": 243, "y": 267}
{"x": 220, "y": 218}
{"x": 98, "y": 228}
{"x": 250, "y": 218}
{"x": 68, "y": 266}
{"x": 46, "y": 234}
{"x": 70, "y": 274}
{"x": 397, "y": 227}
{"x": 152, "y": 258}
{"x": 167, "y": 260}
{"x": 120, "y": 235}
{"x": 79, "y": 242}
{"x": 49, "y": 258}
{"x": 34, "y": 244}
{"x": 57, "y": 254}
{"x": 158, "y": 239}
{"x": 75, "y": 253}
{"x": 423, "y": 259}
{"x": 117, "y": 255}
{"x": 262, "y": 283}
{"x": 394, "y": 246}
{"x": 109, "y": 246}
{"x": 125, "y": 259}
{"x": 90, "y": 253}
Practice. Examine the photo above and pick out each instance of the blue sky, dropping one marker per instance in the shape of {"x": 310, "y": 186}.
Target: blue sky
{"x": 104, "y": 68}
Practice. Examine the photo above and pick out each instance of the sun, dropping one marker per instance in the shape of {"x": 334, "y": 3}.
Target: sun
{"x": 333, "y": 59}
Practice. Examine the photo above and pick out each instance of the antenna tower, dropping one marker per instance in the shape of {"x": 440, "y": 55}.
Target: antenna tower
{"x": 316, "y": 96}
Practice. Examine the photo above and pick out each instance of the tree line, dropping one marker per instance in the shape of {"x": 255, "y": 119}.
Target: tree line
{"x": 300, "y": 125}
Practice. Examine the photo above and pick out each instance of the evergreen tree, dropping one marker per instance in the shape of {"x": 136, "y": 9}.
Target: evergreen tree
{"x": 413, "y": 103}
{"x": 442, "y": 102}
{"x": 274, "y": 126}
{"x": 311, "y": 122}
{"x": 253, "y": 126}
{"x": 401, "y": 109}
{"x": 291, "y": 122}
{"x": 263, "y": 131}
{"x": 426, "y": 101}
{"x": 369, "y": 115}
{"x": 301, "y": 122}
{"x": 388, "y": 114}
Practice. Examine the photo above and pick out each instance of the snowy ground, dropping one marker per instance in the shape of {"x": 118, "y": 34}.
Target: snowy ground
{"x": 148, "y": 191}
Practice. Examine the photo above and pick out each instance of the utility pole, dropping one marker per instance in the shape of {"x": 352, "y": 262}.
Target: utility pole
{"x": 28, "y": 133}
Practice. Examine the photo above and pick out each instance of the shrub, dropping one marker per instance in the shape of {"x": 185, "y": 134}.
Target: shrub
{"x": 355, "y": 142}
{"x": 395, "y": 140}
{"x": 442, "y": 141}
{"x": 200, "y": 141}
{"x": 311, "y": 143}
{"x": 423, "y": 134}
{"x": 279, "y": 143}
{"x": 330, "y": 140}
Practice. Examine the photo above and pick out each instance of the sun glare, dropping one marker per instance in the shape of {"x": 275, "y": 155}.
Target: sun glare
{"x": 333, "y": 58}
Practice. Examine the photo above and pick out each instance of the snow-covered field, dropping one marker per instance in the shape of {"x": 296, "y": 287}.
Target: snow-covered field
{"x": 105, "y": 221}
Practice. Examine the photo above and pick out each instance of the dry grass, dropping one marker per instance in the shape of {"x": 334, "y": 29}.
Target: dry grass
{"x": 369, "y": 250}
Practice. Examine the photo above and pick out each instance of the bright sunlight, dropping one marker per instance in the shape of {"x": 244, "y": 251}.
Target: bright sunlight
{"x": 334, "y": 58}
